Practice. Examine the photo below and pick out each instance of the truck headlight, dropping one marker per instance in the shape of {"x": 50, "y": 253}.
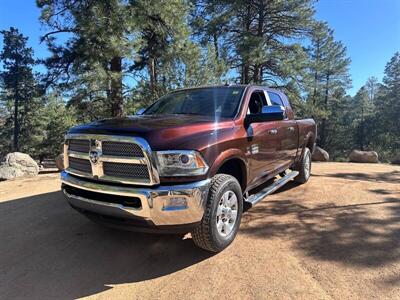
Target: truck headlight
{"x": 180, "y": 163}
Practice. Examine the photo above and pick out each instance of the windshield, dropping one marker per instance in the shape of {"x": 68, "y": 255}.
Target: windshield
{"x": 216, "y": 101}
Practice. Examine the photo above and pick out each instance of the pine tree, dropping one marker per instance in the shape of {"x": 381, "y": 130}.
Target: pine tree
{"x": 372, "y": 86}
{"x": 116, "y": 49}
{"x": 328, "y": 78}
{"x": 260, "y": 35}
{"x": 362, "y": 110}
{"x": 21, "y": 93}
{"x": 89, "y": 62}
{"x": 57, "y": 120}
{"x": 162, "y": 34}
{"x": 387, "y": 118}
{"x": 321, "y": 39}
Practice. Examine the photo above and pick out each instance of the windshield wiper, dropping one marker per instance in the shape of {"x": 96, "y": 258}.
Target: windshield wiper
{"x": 188, "y": 113}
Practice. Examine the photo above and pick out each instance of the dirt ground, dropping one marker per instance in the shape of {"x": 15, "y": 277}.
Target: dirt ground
{"x": 336, "y": 237}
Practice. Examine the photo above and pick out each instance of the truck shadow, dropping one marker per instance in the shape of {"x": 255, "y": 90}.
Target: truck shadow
{"x": 388, "y": 177}
{"x": 364, "y": 235}
{"x": 50, "y": 251}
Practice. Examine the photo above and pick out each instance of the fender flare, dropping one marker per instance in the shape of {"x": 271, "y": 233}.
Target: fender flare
{"x": 306, "y": 141}
{"x": 227, "y": 155}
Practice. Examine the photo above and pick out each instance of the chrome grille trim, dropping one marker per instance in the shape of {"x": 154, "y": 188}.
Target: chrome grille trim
{"x": 95, "y": 141}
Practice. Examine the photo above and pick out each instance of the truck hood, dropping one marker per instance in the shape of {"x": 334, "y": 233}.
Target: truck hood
{"x": 162, "y": 132}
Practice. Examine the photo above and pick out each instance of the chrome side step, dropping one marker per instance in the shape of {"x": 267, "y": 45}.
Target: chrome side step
{"x": 255, "y": 198}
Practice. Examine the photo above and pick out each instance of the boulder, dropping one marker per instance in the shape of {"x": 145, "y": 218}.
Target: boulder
{"x": 59, "y": 160}
{"x": 320, "y": 154}
{"x": 18, "y": 164}
{"x": 363, "y": 156}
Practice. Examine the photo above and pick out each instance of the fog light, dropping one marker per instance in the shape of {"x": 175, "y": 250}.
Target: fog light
{"x": 175, "y": 203}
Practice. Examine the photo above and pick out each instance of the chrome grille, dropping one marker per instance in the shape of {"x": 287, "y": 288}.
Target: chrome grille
{"x": 118, "y": 159}
{"x": 79, "y": 145}
{"x": 121, "y": 149}
{"x": 125, "y": 170}
{"x": 82, "y": 165}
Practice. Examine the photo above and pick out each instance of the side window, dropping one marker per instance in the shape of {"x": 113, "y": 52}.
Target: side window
{"x": 275, "y": 99}
{"x": 257, "y": 101}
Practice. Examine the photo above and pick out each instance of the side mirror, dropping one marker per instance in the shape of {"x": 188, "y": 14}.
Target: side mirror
{"x": 268, "y": 113}
{"x": 140, "y": 111}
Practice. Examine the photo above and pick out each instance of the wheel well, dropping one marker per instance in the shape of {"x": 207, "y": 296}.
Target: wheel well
{"x": 310, "y": 144}
{"x": 236, "y": 168}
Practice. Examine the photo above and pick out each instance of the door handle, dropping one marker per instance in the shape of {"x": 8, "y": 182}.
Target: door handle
{"x": 273, "y": 131}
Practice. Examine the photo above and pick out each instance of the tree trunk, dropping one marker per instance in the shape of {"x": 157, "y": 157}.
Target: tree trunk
{"x": 315, "y": 88}
{"x": 362, "y": 126}
{"x": 153, "y": 77}
{"x": 257, "y": 67}
{"x": 323, "y": 124}
{"x": 245, "y": 63}
{"x": 117, "y": 105}
{"x": 16, "y": 123}
{"x": 322, "y": 133}
{"x": 316, "y": 75}
{"x": 216, "y": 48}
{"x": 245, "y": 73}
{"x": 256, "y": 73}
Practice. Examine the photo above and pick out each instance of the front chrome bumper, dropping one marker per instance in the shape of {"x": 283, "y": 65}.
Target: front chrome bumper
{"x": 154, "y": 201}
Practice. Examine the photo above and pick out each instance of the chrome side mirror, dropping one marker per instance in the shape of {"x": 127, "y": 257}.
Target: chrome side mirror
{"x": 274, "y": 110}
{"x": 268, "y": 113}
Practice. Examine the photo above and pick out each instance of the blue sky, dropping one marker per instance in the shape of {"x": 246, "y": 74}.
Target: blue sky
{"x": 370, "y": 29}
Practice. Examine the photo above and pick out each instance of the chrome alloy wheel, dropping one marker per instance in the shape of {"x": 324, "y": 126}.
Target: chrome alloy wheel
{"x": 227, "y": 211}
{"x": 307, "y": 165}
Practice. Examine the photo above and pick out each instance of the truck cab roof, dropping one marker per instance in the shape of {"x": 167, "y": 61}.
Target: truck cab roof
{"x": 245, "y": 86}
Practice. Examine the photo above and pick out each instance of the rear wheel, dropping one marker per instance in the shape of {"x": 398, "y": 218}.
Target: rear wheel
{"x": 222, "y": 215}
{"x": 304, "y": 167}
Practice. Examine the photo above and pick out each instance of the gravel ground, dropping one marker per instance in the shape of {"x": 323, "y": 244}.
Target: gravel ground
{"x": 336, "y": 237}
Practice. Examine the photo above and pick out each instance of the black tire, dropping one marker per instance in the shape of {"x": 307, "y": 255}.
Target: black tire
{"x": 206, "y": 235}
{"x": 304, "y": 175}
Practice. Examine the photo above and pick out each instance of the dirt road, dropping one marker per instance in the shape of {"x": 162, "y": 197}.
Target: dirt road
{"x": 337, "y": 237}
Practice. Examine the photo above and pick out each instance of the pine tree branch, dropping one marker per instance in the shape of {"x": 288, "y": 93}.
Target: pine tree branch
{"x": 47, "y": 35}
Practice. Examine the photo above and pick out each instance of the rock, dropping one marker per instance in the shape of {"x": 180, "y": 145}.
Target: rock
{"x": 320, "y": 154}
{"x": 59, "y": 160}
{"x": 363, "y": 156}
{"x": 18, "y": 164}
{"x": 7, "y": 172}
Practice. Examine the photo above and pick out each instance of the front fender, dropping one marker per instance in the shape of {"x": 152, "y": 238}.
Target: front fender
{"x": 228, "y": 155}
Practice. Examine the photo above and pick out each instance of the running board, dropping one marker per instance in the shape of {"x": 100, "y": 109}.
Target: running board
{"x": 255, "y": 198}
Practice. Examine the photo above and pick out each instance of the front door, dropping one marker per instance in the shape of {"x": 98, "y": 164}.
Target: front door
{"x": 287, "y": 135}
{"x": 262, "y": 142}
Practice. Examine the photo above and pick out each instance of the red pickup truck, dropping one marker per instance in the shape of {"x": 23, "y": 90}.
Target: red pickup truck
{"x": 189, "y": 162}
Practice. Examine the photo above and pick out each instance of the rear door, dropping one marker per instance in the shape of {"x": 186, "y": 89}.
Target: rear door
{"x": 287, "y": 134}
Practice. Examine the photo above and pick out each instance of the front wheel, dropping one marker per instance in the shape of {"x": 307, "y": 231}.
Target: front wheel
{"x": 304, "y": 167}
{"x": 222, "y": 215}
